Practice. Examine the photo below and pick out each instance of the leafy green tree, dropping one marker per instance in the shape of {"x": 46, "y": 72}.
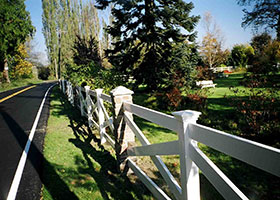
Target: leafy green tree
{"x": 86, "y": 51}
{"x": 211, "y": 48}
{"x": 250, "y": 53}
{"x": 145, "y": 32}
{"x": 50, "y": 32}
{"x": 88, "y": 67}
{"x": 21, "y": 67}
{"x": 63, "y": 20}
{"x": 259, "y": 42}
{"x": 268, "y": 60}
{"x": 266, "y": 56}
{"x": 264, "y": 14}
{"x": 86, "y": 61}
{"x": 240, "y": 55}
{"x": 272, "y": 52}
{"x": 15, "y": 27}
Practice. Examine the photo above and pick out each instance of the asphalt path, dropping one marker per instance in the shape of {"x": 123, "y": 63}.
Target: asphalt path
{"x": 17, "y": 115}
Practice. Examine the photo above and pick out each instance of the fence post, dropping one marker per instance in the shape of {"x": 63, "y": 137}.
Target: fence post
{"x": 101, "y": 117}
{"x": 81, "y": 101}
{"x": 69, "y": 91}
{"x": 72, "y": 95}
{"x": 63, "y": 86}
{"x": 89, "y": 106}
{"x": 123, "y": 134}
{"x": 189, "y": 170}
{"x": 67, "y": 88}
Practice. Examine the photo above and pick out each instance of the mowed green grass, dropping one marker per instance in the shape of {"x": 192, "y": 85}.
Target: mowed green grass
{"x": 76, "y": 166}
{"x": 18, "y": 83}
{"x": 217, "y": 96}
{"x": 254, "y": 183}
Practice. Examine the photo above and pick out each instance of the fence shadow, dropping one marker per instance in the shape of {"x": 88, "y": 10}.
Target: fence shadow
{"x": 247, "y": 178}
{"x": 111, "y": 184}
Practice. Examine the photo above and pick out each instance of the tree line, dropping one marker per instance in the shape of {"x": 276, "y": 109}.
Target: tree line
{"x": 15, "y": 28}
{"x": 261, "y": 55}
{"x": 146, "y": 42}
{"x": 143, "y": 42}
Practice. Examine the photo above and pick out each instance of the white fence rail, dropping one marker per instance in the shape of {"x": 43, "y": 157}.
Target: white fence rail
{"x": 221, "y": 69}
{"x": 192, "y": 159}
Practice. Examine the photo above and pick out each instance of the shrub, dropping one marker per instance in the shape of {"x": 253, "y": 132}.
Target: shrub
{"x": 21, "y": 68}
{"x": 196, "y": 100}
{"x": 204, "y": 73}
{"x": 174, "y": 97}
{"x": 43, "y": 73}
{"x": 260, "y": 111}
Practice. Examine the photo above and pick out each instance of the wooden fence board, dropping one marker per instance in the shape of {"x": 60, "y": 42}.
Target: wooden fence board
{"x": 259, "y": 155}
{"x": 106, "y": 97}
{"x": 166, "y": 148}
{"x": 157, "y": 192}
{"x": 159, "y": 118}
{"x": 220, "y": 181}
{"x": 167, "y": 176}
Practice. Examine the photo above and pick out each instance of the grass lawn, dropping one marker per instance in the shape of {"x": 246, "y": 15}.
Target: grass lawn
{"x": 220, "y": 114}
{"x": 254, "y": 183}
{"x": 78, "y": 167}
{"x": 18, "y": 83}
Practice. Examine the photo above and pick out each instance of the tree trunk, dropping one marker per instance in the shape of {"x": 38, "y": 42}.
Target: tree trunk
{"x": 6, "y": 72}
{"x": 56, "y": 69}
{"x": 149, "y": 19}
{"x": 278, "y": 29}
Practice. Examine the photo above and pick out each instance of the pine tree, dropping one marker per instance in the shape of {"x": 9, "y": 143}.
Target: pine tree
{"x": 145, "y": 32}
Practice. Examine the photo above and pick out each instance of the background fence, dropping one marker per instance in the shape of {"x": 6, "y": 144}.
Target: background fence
{"x": 124, "y": 130}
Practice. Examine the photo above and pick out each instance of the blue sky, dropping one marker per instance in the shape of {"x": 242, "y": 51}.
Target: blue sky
{"x": 227, "y": 14}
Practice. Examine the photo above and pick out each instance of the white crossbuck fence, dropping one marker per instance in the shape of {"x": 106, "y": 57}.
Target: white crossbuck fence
{"x": 192, "y": 159}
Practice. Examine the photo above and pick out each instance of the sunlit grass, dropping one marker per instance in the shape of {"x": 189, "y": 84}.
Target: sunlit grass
{"x": 18, "y": 83}
{"x": 222, "y": 117}
{"x": 83, "y": 166}
{"x": 76, "y": 166}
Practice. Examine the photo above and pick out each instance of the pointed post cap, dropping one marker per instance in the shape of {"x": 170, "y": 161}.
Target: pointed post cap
{"x": 121, "y": 90}
{"x": 186, "y": 115}
{"x": 98, "y": 91}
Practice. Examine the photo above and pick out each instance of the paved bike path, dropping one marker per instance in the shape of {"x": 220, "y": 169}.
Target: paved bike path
{"x": 17, "y": 115}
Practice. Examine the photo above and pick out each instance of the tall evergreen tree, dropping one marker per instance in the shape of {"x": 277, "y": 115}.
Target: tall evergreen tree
{"x": 145, "y": 32}
{"x": 15, "y": 27}
{"x": 266, "y": 13}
